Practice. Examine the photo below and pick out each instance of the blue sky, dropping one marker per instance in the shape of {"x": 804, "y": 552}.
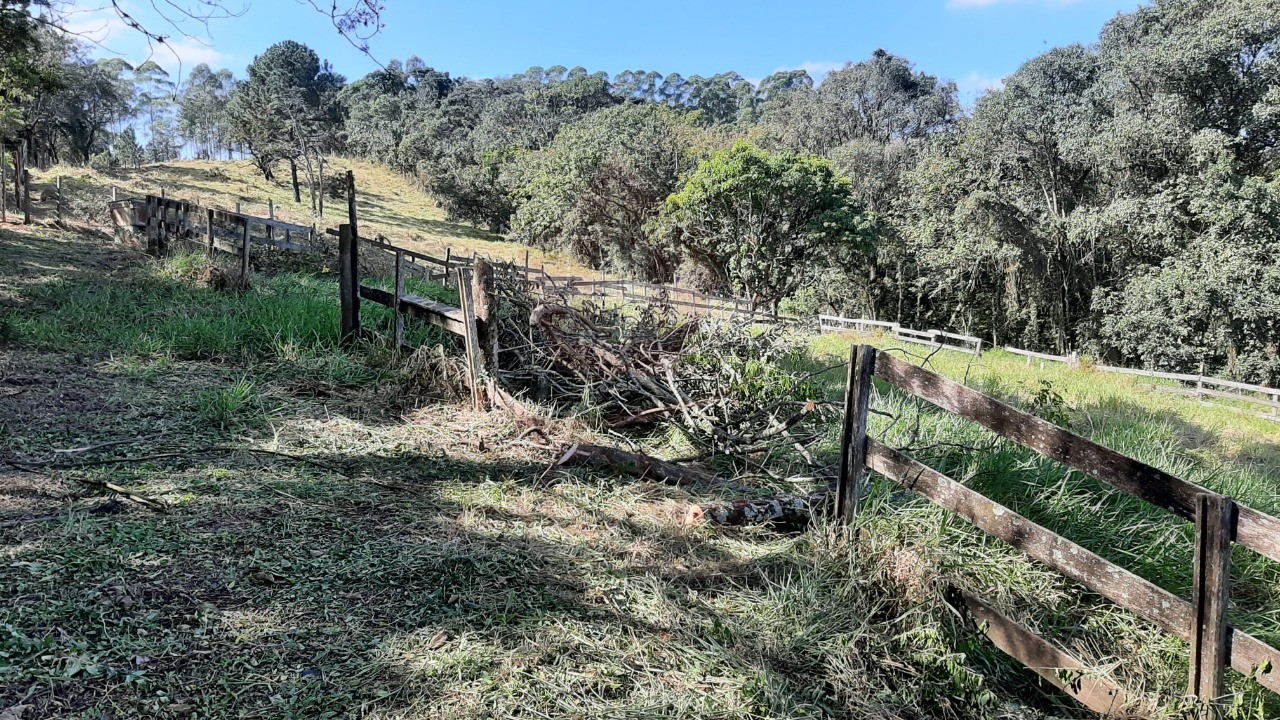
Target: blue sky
{"x": 974, "y": 42}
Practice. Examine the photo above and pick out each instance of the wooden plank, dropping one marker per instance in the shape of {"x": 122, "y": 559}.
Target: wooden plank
{"x": 231, "y": 216}
{"x": 1059, "y": 668}
{"x": 227, "y": 247}
{"x": 1126, "y": 589}
{"x": 853, "y": 436}
{"x": 281, "y": 244}
{"x": 1257, "y": 531}
{"x": 1210, "y": 595}
{"x": 407, "y": 253}
{"x": 443, "y": 316}
{"x": 1037, "y": 355}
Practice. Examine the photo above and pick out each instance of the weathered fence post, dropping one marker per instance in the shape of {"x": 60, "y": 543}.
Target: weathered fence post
{"x": 26, "y": 188}
{"x": 485, "y": 301}
{"x": 208, "y": 213}
{"x": 113, "y": 193}
{"x": 4, "y": 187}
{"x": 853, "y": 435}
{"x": 398, "y": 332}
{"x": 351, "y": 205}
{"x": 244, "y": 251}
{"x": 348, "y": 283}
{"x": 153, "y": 220}
{"x": 470, "y": 337}
{"x": 1211, "y": 590}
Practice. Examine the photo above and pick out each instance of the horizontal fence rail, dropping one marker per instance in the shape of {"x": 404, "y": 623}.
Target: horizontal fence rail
{"x": 1220, "y": 522}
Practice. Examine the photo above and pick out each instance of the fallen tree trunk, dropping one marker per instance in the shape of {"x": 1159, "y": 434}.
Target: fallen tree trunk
{"x": 790, "y": 511}
{"x": 637, "y": 465}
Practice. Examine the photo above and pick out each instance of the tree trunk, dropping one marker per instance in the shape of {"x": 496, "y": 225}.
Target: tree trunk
{"x": 293, "y": 169}
{"x": 637, "y": 465}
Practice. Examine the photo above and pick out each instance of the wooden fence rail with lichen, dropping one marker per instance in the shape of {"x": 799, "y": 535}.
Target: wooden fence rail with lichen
{"x": 1219, "y": 521}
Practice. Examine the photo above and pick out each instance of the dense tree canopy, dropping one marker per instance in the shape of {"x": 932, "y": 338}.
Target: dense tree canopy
{"x": 1117, "y": 198}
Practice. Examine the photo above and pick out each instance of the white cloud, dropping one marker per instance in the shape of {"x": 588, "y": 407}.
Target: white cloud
{"x": 973, "y": 85}
{"x": 110, "y": 36}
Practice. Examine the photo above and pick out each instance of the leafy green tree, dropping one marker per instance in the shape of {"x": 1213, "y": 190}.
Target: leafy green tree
{"x": 92, "y": 97}
{"x": 600, "y": 183}
{"x": 759, "y": 222}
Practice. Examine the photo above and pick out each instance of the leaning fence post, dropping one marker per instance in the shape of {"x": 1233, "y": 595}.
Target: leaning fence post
{"x": 398, "y": 331}
{"x": 853, "y": 436}
{"x": 484, "y": 301}
{"x": 1211, "y": 590}
{"x": 348, "y": 283}
{"x": 470, "y": 336}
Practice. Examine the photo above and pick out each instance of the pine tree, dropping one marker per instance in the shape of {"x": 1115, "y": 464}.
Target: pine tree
{"x": 127, "y": 149}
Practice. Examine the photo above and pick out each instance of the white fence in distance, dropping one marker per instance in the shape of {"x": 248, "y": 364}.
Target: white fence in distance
{"x": 1201, "y": 387}
{"x": 932, "y": 338}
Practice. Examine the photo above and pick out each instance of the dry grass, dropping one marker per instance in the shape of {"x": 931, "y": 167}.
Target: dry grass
{"x": 387, "y": 203}
{"x": 407, "y": 558}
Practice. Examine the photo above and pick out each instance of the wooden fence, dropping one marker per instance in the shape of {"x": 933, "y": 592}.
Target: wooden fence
{"x": 474, "y": 281}
{"x": 164, "y": 219}
{"x": 933, "y": 338}
{"x": 1219, "y": 521}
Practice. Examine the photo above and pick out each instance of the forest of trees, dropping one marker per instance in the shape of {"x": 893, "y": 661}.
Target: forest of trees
{"x": 1121, "y": 199}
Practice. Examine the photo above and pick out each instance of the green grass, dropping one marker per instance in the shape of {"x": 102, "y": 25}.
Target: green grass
{"x": 1216, "y": 448}
{"x": 366, "y": 550}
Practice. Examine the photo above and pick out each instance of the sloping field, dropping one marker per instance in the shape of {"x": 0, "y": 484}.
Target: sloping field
{"x": 340, "y": 536}
{"x": 387, "y": 203}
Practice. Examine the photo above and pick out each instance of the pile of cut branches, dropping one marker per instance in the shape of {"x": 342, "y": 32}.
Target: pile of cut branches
{"x": 733, "y": 398}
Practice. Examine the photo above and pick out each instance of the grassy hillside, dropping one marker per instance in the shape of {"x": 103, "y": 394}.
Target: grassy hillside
{"x": 340, "y": 538}
{"x": 387, "y": 203}
{"x": 343, "y": 537}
